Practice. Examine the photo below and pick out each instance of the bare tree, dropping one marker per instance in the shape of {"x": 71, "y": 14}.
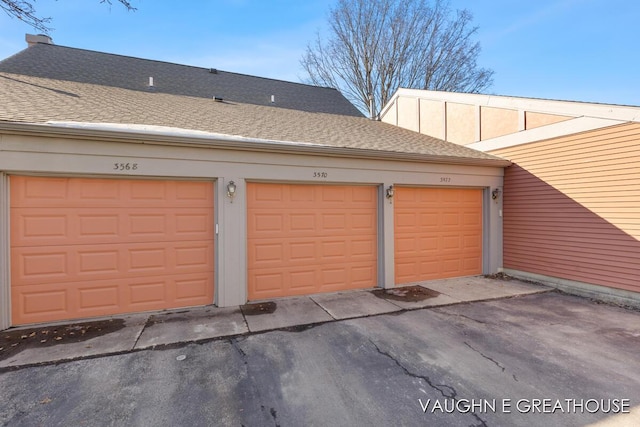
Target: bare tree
{"x": 377, "y": 46}
{"x": 25, "y": 11}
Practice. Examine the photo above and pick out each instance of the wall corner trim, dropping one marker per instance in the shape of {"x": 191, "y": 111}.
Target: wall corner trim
{"x": 5, "y": 278}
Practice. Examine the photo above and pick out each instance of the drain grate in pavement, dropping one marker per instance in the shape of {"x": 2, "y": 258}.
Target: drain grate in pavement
{"x": 406, "y": 293}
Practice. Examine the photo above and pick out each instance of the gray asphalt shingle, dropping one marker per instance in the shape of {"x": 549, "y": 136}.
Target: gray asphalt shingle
{"x": 85, "y": 66}
{"x": 26, "y": 97}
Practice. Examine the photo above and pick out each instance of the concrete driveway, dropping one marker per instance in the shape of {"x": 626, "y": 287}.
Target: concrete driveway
{"x": 532, "y": 361}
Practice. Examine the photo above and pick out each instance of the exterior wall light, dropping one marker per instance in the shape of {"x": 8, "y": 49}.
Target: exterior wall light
{"x": 231, "y": 190}
{"x": 389, "y": 193}
{"x": 495, "y": 193}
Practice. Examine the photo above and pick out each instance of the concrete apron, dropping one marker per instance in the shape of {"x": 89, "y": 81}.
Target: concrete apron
{"x": 46, "y": 344}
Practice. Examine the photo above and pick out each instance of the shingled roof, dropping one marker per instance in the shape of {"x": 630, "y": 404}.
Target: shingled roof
{"x": 86, "y": 66}
{"x": 28, "y": 99}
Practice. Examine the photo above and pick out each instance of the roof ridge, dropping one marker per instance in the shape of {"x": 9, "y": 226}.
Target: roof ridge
{"x": 174, "y": 63}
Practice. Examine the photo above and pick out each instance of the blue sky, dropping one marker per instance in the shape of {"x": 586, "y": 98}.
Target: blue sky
{"x": 585, "y": 50}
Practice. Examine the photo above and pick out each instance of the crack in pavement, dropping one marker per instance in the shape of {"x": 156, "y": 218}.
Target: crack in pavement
{"x": 483, "y": 423}
{"x": 439, "y": 387}
{"x": 485, "y": 356}
{"x": 452, "y": 391}
{"x": 234, "y": 343}
{"x": 448, "y": 313}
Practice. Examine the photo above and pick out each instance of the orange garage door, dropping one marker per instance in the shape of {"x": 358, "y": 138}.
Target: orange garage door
{"x": 305, "y": 239}
{"x": 438, "y": 233}
{"x": 95, "y": 247}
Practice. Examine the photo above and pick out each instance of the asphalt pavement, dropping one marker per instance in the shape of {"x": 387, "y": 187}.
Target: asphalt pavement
{"x": 542, "y": 359}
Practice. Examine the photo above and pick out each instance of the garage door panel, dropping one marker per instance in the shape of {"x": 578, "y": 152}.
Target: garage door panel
{"x": 99, "y": 298}
{"x": 93, "y": 262}
{"x": 407, "y": 270}
{"x": 147, "y": 190}
{"x": 98, "y": 226}
{"x": 363, "y": 221}
{"x": 144, "y": 260}
{"x": 303, "y": 281}
{"x": 407, "y": 245}
{"x": 428, "y": 219}
{"x": 193, "y": 256}
{"x": 472, "y": 242}
{"x": 42, "y": 302}
{"x": 451, "y": 267}
{"x": 450, "y": 219}
{"x": 471, "y": 265}
{"x": 191, "y": 191}
{"x": 303, "y": 251}
{"x": 428, "y": 245}
{"x": 108, "y": 246}
{"x": 335, "y": 194}
{"x": 363, "y": 274}
{"x": 444, "y": 240}
{"x": 46, "y": 264}
{"x": 93, "y": 192}
{"x": 332, "y": 222}
{"x": 98, "y": 261}
{"x": 305, "y": 239}
{"x": 302, "y": 222}
{"x": 266, "y": 282}
{"x": 191, "y": 291}
{"x": 30, "y": 227}
{"x": 333, "y": 249}
{"x": 266, "y": 224}
{"x": 45, "y": 227}
{"x": 362, "y": 249}
{"x": 451, "y": 243}
{"x": 406, "y": 220}
{"x": 363, "y": 197}
{"x": 147, "y": 293}
{"x": 261, "y": 254}
{"x": 300, "y": 193}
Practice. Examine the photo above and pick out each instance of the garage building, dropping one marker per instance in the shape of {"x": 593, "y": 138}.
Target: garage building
{"x": 572, "y": 195}
{"x": 130, "y": 185}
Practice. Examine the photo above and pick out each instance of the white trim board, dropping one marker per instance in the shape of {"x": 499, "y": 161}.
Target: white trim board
{"x": 568, "y": 127}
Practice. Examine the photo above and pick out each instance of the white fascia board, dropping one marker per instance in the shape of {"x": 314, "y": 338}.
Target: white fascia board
{"x": 546, "y": 106}
{"x": 160, "y": 135}
{"x": 568, "y": 127}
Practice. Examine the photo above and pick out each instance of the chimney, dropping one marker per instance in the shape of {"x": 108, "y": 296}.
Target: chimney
{"x": 35, "y": 39}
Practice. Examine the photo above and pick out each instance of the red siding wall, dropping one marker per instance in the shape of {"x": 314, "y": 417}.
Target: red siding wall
{"x": 572, "y": 207}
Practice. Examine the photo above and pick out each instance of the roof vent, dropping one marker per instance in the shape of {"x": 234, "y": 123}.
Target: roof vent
{"x": 33, "y": 39}
{"x": 218, "y": 99}
{"x": 273, "y": 99}
{"x": 213, "y": 71}
{"x": 150, "y": 81}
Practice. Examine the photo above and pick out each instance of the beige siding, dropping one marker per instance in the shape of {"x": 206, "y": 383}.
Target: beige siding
{"x": 391, "y": 115}
{"x": 572, "y": 207}
{"x": 408, "y": 113}
{"x": 535, "y": 120}
{"x": 432, "y": 118}
{"x": 495, "y": 122}
{"x": 462, "y": 123}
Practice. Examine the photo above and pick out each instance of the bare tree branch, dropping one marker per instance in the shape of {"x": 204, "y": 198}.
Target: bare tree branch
{"x": 377, "y": 46}
{"x": 25, "y": 11}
